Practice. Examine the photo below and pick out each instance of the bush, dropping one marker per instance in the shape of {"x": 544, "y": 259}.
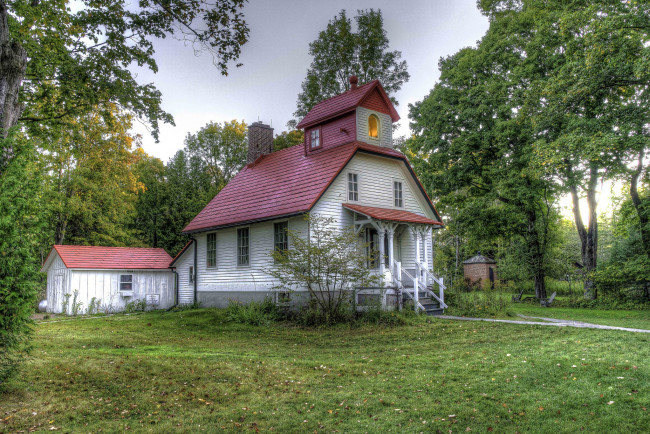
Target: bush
{"x": 135, "y": 306}
{"x": 254, "y": 313}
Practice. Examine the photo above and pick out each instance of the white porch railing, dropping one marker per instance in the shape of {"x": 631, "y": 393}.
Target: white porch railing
{"x": 424, "y": 283}
{"x": 421, "y": 281}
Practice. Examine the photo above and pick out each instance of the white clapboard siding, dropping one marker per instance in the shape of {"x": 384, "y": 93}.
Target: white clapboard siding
{"x": 227, "y": 275}
{"x": 185, "y": 286}
{"x": 375, "y": 177}
{"x": 385, "y": 128}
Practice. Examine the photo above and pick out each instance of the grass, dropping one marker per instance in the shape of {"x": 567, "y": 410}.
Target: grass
{"x": 620, "y": 318}
{"x": 194, "y": 371}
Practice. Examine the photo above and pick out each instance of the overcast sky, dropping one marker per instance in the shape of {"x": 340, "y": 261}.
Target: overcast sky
{"x": 276, "y": 60}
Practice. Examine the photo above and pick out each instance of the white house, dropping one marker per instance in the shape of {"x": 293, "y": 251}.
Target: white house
{"x": 104, "y": 279}
{"x": 346, "y": 169}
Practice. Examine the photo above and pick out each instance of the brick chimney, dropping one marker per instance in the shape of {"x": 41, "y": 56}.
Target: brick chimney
{"x": 260, "y": 141}
{"x": 354, "y": 80}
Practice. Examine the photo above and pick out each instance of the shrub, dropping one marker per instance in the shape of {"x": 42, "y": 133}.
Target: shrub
{"x": 253, "y": 313}
{"x": 135, "y": 306}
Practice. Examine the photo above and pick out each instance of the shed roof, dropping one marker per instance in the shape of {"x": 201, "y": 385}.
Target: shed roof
{"x": 395, "y": 215}
{"x": 345, "y": 102}
{"x": 479, "y": 259}
{"x": 99, "y": 257}
{"x": 281, "y": 184}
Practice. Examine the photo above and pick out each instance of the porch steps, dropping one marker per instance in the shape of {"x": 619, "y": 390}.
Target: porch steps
{"x": 431, "y": 305}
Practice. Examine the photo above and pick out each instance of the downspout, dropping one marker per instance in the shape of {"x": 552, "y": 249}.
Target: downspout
{"x": 175, "y": 288}
{"x": 196, "y": 274}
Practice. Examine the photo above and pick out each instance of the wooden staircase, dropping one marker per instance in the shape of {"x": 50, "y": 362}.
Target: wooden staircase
{"x": 425, "y": 299}
{"x": 429, "y": 305}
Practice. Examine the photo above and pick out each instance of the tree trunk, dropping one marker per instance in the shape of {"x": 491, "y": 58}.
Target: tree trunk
{"x": 588, "y": 235}
{"x": 642, "y": 207}
{"x": 536, "y": 255}
{"x": 13, "y": 61}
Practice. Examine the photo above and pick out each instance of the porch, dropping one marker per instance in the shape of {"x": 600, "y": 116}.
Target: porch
{"x": 404, "y": 264}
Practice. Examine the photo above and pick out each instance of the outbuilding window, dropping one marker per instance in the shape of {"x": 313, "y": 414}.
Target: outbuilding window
{"x": 126, "y": 282}
{"x": 243, "y": 246}
{"x": 211, "y": 252}
{"x": 373, "y": 126}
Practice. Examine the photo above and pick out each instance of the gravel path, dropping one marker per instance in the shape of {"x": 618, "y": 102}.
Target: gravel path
{"x": 547, "y": 322}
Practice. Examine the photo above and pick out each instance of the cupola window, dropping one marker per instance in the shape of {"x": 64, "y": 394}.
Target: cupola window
{"x": 373, "y": 126}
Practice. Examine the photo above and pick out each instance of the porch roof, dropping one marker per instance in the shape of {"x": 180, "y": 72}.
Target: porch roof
{"x": 394, "y": 215}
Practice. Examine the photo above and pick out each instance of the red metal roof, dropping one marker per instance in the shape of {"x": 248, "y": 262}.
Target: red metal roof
{"x": 112, "y": 257}
{"x": 280, "y": 184}
{"x": 395, "y": 215}
{"x": 344, "y": 103}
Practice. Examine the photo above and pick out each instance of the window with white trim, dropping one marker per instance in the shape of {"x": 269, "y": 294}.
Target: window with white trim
{"x": 373, "y": 126}
{"x": 281, "y": 236}
{"x": 398, "y": 194}
{"x": 243, "y": 246}
{"x": 211, "y": 251}
{"x": 126, "y": 282}
{"x": 353, "y": 187}
{"x": 315, "y": 138}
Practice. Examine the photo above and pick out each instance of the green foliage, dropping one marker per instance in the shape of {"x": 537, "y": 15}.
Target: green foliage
{"x": 135, "y": 306}
{"x": 287, "y": 139}
{"x": 254, "y": 313}
{"x": 484, "y": 303}
{"x": 340, "y": 52}
{"x": 20, "y": 222}
{"x": 330, "y": 263}
{"x": 220, "y": 150}
{"x": 94, "y": 306}
{"x": 76, "y": 306}
{"x": 82, "y": 57}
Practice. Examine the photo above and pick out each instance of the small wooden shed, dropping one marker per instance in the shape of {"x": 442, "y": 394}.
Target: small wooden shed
{"x": 92, "y": 279}
{"x": 480, "y": 270}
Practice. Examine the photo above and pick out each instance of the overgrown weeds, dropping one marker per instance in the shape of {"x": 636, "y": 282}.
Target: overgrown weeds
{"x": 487, "y": 302}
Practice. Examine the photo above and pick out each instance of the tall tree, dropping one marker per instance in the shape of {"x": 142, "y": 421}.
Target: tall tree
{"x": 287, "y": 139}
{"x": 473, "y": 147}
{"x": 220, "y": 148}
{"x": 72, "y": 60}
{"x": 340, "y": 52}
{"x": 91, "y": 186}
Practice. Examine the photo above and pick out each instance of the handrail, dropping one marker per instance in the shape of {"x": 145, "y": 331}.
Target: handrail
{"x": 426, "y": 288}
{"x": 400, "y": 285}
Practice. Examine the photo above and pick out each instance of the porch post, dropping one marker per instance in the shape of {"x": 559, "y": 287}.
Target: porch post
{"x": 382, "y": 261}
{"x": 425, "y": 237}
{"x": 391, "y": 259}
{"x": 416, "y": 275}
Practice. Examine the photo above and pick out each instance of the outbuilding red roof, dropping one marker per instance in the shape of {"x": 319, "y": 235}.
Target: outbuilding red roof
{"x": 96, "y": 257}
{"x": 394, "y": 215}
{"x": 280, "y": 184}
{"x": 345, "y": 102}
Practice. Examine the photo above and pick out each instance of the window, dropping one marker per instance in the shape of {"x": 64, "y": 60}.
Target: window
{"x": 280, "y": 236}
{"x": 126, "y": 282}
{"x": 315, "y": 138}
{"x": 397, "y": 192}
{"x": 211, "y": 253}
{"x": 242, "y": 246}
{"x": 353, "y": 187}
{"x": 373, "y": 126}
{"x": 191, "y": 276}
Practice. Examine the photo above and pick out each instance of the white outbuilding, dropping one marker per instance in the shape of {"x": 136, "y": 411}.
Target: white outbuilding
{"x": 92, "y": 279}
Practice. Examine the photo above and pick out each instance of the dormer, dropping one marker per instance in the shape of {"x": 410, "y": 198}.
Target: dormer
{"x": 363, "y": 113}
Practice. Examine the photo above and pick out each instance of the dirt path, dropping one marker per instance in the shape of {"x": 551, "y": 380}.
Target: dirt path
{"x": 547, "y": 322}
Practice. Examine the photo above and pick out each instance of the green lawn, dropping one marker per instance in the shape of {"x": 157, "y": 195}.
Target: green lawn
{"x": 621, "y": 318}
{"x": 192, "y": 371}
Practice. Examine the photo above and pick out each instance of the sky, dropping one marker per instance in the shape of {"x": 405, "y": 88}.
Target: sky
{"x": 276, "y": 58}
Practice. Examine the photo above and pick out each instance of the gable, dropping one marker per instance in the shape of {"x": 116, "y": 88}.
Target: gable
{"x": 375, "y": 102}
{"x": 376, "y": 174}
